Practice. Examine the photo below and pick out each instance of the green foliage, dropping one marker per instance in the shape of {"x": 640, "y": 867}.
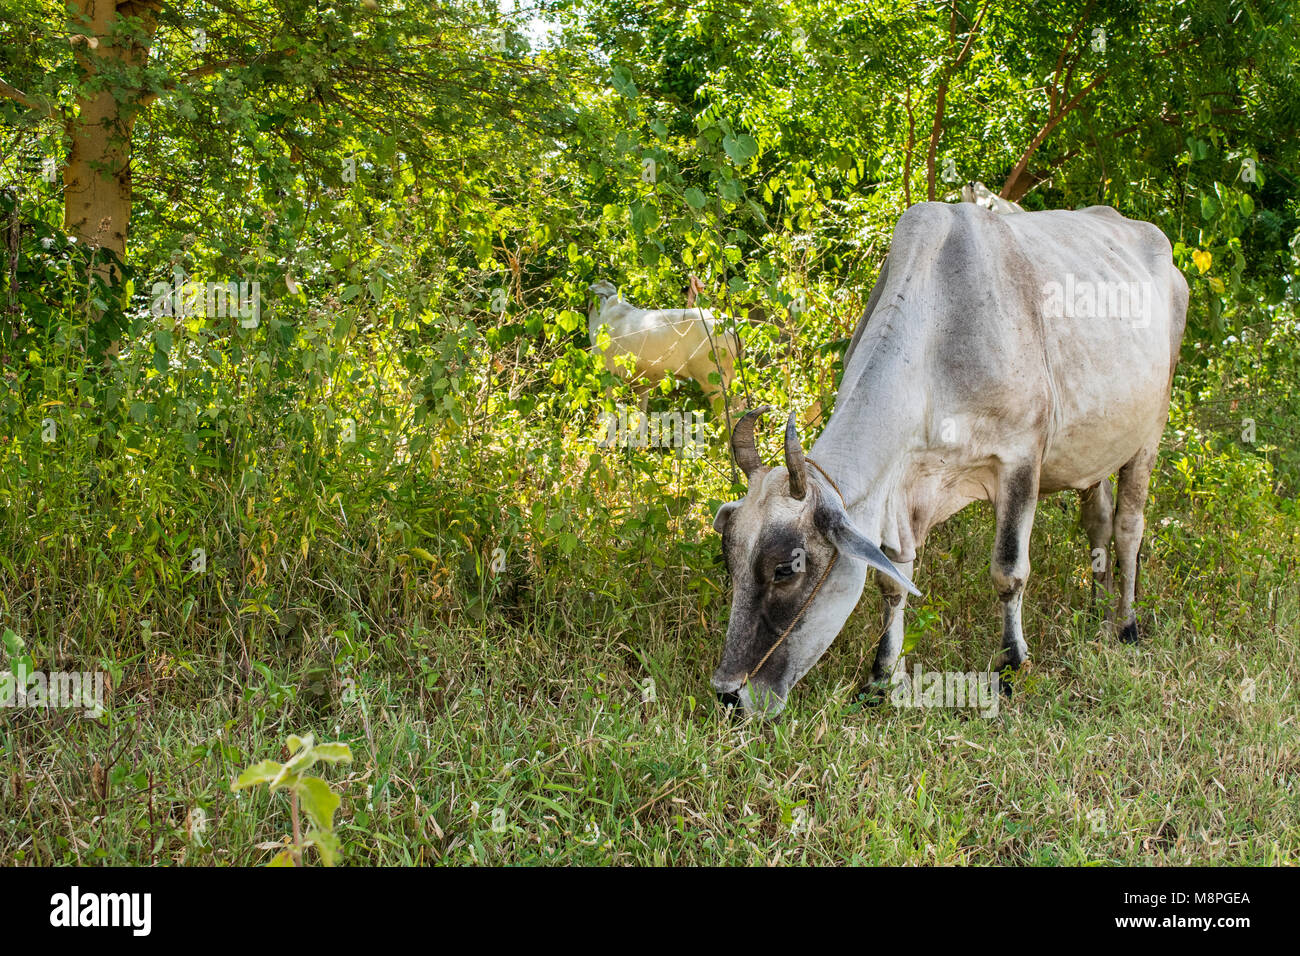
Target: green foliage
{"x": 313, "y": 794}
{"x": 19, "y": 663}
{"x": 384, "y": 504}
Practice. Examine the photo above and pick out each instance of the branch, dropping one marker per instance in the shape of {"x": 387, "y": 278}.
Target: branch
{"x": 18, "y": 96}
{"x": 1060, "y": 60}
{"x": 139, "y": 8}
{"x": 1012, "y": 181}
{"x": 911, "y": 144}
{"x": 205, "y": 69}
{"x": 942, "y": 97}
{"x": 1169, "y": 119}
{"x": 1054, "y": 165}
{"x": 1019, "y": 182}
{"x": 970, "y": 37}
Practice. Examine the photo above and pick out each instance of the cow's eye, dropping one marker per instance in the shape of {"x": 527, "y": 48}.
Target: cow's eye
{"x": 783, "y": 572}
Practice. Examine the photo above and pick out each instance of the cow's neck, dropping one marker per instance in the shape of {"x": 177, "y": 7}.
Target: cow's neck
{"x": 868, "y": 443}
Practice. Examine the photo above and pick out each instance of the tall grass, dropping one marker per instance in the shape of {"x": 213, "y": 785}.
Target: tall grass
{"x": 430, "y": 558}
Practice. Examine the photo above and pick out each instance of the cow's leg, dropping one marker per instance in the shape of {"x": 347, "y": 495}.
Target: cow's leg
{"x": 888, "y": 654}
{"x": 1017, "y": 494}
{"x": 1097, "y": 507}
{"x": 1134, "y": 481}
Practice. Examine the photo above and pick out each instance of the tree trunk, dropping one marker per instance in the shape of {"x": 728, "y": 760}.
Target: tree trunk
{"x": 1019, "y": 183}
{"x": 97, "y": 178}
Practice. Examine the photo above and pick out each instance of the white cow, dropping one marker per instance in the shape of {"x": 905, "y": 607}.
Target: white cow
{"x": 1000, "y": 358}
{"x": 981, "y": 195}
{"x": 685, "y": 342}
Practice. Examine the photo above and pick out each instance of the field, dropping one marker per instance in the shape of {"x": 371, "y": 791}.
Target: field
{"x": 559, "y": 711}
{"x": 364, "y": 497}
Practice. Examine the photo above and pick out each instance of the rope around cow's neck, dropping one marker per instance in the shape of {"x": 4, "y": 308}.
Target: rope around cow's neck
{"x": 812, "y": 594}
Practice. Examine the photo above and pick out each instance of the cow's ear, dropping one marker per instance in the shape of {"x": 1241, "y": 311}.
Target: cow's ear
{"x": 849, "y": 540}
{"x": 720, "y": 519}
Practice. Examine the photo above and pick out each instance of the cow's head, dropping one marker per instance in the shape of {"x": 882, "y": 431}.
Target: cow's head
{"x": 604, "y": 289}
{"x": 788, "y": 536}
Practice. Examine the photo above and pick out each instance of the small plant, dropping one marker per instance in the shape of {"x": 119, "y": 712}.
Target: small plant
{"x": 14, "y": 680}
{"x": 314, "y": 794}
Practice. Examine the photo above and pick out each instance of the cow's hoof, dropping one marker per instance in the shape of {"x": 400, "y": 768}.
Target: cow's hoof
{"x": 878, "y": 690}
{"x": 1129, "y": 633}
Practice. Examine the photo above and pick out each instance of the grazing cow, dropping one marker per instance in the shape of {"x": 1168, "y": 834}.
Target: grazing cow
{"x": 681, "y": 341}
{"x": 1000, "y": 358}
{"x": 981, "y": 195}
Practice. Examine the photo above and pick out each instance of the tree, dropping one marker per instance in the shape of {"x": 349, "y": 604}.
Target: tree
{"x": 218, "y": 89}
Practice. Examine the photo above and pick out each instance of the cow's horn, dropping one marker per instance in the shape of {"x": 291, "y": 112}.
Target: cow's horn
{"x": 794, "y": 462}
{"x": 742, "y": 441}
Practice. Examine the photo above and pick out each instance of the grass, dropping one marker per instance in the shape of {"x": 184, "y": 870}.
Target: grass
{"x": 555, "y": 708}
{"x": 530, "y": 731}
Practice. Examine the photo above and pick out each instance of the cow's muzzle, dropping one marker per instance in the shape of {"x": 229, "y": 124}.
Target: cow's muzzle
{"x": 752, "y": 696}
{"x": 725, "y": 682}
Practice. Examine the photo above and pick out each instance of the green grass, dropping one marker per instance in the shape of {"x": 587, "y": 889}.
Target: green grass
{"x": 508, "y": 717}
{"x": 526, "y": 732}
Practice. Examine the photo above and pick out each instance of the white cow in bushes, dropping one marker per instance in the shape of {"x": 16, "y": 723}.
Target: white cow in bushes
{"x": 981, "y": 195}
{"x": 686, "y": 342}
